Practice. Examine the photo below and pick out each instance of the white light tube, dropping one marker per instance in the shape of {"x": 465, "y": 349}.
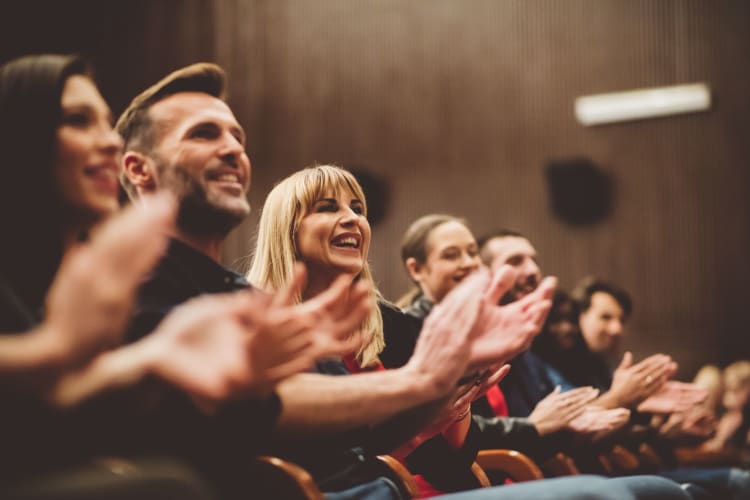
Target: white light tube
{"x": 643, "y": 103}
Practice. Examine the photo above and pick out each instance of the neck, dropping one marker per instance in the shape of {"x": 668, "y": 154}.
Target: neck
{"x": 208, "y": 245}
{"x": 74, "y": 230}
{"x": 317, "y": 284}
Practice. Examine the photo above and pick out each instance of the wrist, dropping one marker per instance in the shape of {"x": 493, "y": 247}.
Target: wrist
{"x": 50, "y": 350}
{"x": 421, "y": 384}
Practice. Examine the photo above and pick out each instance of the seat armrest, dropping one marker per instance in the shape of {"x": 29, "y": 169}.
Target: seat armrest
{"x": 515, "y": 464}
{"x": 287, "y": 480}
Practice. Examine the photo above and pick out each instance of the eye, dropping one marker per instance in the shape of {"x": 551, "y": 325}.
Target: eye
{"x": 515, "y": 260}
{"x": 358, "y": 209}
{"x": 239, "y": 135}
{"x": 76, "y": 119}
{"x": 451, "y": 254}
{"x": 327, "y": 207}
{"x": 472, "y": 251}
{"x": 204, "y": 132}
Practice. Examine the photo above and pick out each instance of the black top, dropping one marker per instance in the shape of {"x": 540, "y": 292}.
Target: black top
{"x": 578, "y": 364}
{"x": 336, "y": 461}
{"x": 151, "y": 418}
{"x": 182, "y": 274}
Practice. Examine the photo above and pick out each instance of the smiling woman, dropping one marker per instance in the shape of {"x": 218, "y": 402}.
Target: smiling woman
{"x": 438, "y": 252}
{"x": 60, "y": 155}
{"x": 318, "y": 216}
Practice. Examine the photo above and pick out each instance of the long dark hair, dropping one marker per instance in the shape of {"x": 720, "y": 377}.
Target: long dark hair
{"x": 31, "y": 209}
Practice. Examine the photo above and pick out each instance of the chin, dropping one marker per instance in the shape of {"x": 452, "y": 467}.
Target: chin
{"x": 100, "y": 207}
{"x": 349, "y": 269}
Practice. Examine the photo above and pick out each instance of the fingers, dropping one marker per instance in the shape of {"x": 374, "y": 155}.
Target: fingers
{"x": 654, "y": 365}
{"x": 538, "y": 313}
{"x": 576, "y": 397}
{"x": 289, "y": 293}
{"x": 546, "y": 288}
{"x": 335, "y": 295}
{"x": 500, "y": 284}
{"x": 543, "y": 292}
{"x": 627, "y": 361}
{"x": 460, "y": 308}
{"x": 499, "y": 375}
{"x": 134, "y": 238}
{"x": 359, "y": 308}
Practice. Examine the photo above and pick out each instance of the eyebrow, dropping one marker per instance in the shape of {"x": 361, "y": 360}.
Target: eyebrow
{"x": 234, "y": 129}
{"x": 77, "y": 107}
{"x": 334, "y": 200}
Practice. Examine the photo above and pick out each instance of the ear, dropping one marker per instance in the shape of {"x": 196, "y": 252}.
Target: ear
{"x": 414, "y": 269}
{"x": 140, "y": 171}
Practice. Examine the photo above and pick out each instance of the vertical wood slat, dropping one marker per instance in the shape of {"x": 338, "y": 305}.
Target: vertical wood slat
{"x": 460, "y": 104}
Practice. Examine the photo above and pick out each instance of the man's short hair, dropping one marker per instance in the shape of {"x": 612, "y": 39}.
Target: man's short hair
{"x": 588, "y": 286}
{"x": 136, "y": 126}
{"x": 485, "y": 238}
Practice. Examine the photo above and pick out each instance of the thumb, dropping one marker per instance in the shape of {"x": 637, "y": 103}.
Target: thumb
{"x": 502, "y": 280}
{"x": 627, "y": 361}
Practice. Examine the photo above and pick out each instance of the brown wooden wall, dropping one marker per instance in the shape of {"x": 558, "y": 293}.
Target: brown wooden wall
{"x": 460, "y": 104}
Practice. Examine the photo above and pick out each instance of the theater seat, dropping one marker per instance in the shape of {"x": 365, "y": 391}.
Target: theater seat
{"x": 560, "y": 465}
{"x": 514, "y": 464}
{"x": 283, "y": 479}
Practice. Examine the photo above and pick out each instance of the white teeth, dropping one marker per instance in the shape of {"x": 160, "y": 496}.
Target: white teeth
{"x": 228, "y": 178}
{"x": 347, "y": 241}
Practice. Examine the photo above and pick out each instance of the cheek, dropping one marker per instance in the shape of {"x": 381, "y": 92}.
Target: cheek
{"x": 311, "y": 237}
{"x": 367, "y": 236}
{"x": 69, "y": 163}
{"x": 72, "y": 148}
{"x": 444, "y": 273}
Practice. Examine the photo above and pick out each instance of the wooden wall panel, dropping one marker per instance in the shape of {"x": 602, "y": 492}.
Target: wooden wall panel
{"x": 461, "y": 104}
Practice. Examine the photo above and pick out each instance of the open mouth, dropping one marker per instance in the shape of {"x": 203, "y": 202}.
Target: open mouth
{"x": 226, "y": 177}
{"x": 348, "y": 240}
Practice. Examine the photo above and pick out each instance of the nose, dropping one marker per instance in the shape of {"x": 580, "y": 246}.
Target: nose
{"x": 469, "y": 261}
{"x": 531, "y": 270}
{"x": 109, "y": 140}
{"x": 614, "y": 328}
{"x": 232, "y": 150}
{"x": 349, "y": 217}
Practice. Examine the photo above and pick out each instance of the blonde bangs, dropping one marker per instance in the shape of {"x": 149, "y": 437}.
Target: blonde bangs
{"x": 276, "y": 245}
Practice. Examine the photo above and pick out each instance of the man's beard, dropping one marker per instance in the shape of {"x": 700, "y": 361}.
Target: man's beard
{"x": 520, "y": 290}
{"x": 197, "y": 214}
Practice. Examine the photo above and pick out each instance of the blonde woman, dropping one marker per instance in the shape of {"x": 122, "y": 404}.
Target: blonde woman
{"x": 319, "y": 216}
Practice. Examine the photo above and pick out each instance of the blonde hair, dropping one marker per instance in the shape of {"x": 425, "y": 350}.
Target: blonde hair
{"x": 737, "y": 374}
{"x": 275, "y": 249}
{"x": 709, "y": 377}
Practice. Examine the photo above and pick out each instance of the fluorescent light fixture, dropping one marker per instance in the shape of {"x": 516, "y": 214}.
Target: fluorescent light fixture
{"x": 643, "y": 103}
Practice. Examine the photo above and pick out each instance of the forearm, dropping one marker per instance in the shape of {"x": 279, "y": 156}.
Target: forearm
{"x": 31, "y": 359}
{"x": 324, "y": 403}
{"x": 409, "y": 428}
{"x": 119, "y": 368}
{"x": 455, "y": 434}
{"x": 609, "y": 401}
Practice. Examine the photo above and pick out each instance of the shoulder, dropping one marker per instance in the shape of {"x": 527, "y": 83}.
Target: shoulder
{"x": 401, "y": 332}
